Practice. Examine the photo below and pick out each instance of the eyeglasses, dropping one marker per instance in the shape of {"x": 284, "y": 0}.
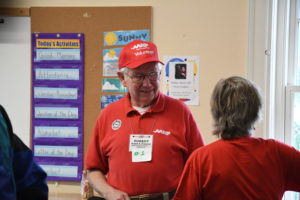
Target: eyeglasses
{"x": 138, "y": 78}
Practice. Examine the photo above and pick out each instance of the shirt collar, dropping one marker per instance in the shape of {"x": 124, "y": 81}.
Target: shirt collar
{"x": 158, "y": 106}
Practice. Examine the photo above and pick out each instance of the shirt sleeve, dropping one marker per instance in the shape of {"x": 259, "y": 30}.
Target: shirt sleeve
{"x": 95, "y": 157}
{"x": 290, "y": 159}
{"x": 30, "y": 178}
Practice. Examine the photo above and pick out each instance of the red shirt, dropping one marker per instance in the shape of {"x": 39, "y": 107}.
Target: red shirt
{"x": 246, "y": 168}
{"x": 175, "y": 136}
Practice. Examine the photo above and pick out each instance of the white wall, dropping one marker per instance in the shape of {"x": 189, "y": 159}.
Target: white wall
{"x": 15, "y": 73}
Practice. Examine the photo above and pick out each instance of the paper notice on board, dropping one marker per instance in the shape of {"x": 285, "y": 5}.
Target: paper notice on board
{"x": 181, "y": 78}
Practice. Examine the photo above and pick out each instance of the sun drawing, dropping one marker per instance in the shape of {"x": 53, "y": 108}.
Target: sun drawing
{"x": 110, "y": 38}
{"x": 111, "y": 53}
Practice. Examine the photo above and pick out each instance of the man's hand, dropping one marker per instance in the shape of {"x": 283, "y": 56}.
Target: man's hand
{"x": 99, "y": 183}
{"x": 114, "y": 194}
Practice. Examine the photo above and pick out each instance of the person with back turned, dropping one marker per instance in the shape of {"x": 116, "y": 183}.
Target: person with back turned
{"x": 239, "y": 166}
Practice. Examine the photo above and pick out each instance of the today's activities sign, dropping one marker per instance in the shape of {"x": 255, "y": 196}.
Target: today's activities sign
{"x": 57, "y": 103}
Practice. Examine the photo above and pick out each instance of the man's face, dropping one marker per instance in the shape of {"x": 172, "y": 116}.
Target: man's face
{"x": 142, "y": 83}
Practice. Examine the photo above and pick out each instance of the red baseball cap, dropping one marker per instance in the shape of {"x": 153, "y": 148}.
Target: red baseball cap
{"x": 136, "y": 53}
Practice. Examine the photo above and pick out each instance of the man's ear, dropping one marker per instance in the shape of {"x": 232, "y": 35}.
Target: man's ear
{"x": 122, "y": 78}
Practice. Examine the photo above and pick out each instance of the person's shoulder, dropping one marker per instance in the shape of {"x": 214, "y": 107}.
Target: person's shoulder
{"x": 202, "y": 153}
{"x": 286, "y": 153}
{"x": 278, "y": 144}
{"x": 169, "y": 98}
{"x": 2, "y": 110}
{"x": 6, "y": 120}
{"x": 218, "y": 144}
{"x": 173, "y": 101}
{"x": 269, "y": 141}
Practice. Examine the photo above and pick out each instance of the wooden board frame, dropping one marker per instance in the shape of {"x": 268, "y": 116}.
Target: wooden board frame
{"x": 14, "y": 12}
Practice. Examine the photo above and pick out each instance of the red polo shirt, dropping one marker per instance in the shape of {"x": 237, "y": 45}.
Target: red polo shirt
{"x": 175, "y": 136}
{"x": 245, "y": 168}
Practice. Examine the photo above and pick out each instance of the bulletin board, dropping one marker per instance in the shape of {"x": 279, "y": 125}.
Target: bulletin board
{"x": 93, "y": 23}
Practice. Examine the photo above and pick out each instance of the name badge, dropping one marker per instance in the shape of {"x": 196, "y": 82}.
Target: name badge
{"x": 140, "y": 147}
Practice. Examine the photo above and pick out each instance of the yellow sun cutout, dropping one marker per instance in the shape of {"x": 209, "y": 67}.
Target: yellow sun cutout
{"x": 110, "y": 38}
{"x": 111, "y": 53}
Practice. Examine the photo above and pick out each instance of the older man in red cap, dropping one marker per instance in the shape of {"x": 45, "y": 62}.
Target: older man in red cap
{"x": 141, "y": 142}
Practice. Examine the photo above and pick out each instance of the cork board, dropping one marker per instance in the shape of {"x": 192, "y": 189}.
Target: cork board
{"x": 92, "y": 22}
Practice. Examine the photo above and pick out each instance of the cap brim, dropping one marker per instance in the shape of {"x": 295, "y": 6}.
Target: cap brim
{"x": 141, "y": 62}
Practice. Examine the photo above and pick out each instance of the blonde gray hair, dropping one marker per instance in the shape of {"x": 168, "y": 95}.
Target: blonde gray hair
{"x": 235, "y": 106}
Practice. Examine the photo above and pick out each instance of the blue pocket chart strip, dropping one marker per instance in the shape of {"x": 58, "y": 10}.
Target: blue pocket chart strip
{"x": 57, "y": 104}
